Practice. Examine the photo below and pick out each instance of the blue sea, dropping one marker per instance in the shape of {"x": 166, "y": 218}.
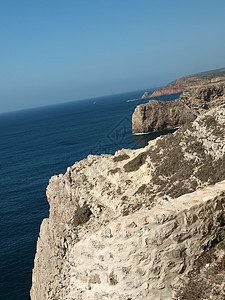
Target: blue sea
{"x": 38, "y": 143}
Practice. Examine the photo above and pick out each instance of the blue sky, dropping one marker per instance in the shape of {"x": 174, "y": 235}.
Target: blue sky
{"x": 55, "y": 51}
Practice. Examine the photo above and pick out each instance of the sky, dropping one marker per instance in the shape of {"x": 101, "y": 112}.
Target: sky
{"x": 55, "y": 51}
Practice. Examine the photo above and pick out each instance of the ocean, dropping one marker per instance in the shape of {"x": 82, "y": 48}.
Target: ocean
{"x": 38, "y": 143}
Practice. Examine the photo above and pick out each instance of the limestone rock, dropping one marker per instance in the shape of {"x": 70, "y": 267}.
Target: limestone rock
{"x": 133, "y": 233}
{"x": 168, "y": 90}
{"x": 204, "y": 97}
{"x": 160, "y": 115}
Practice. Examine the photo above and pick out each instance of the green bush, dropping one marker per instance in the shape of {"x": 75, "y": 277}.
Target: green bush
{"x": 81, "y": 215}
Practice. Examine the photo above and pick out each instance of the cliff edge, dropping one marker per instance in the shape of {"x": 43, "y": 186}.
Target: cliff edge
{"x": 162, "y": 115}
{"x": 178, "y": 85}
{"x": 131, "y": 225}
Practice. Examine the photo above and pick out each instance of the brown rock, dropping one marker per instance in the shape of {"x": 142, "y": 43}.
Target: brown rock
{"x": 178, "y": 85}
{"x": 167, "y": 91}
{"x": 145, "y": 95}
{"x": 160, "y": 115}
{"x": 201, "y": 98}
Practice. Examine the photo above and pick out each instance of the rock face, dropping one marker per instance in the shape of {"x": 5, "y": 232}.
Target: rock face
{"x": 168, "y": 91}
{"x": 203, "y": 97}
{"x": 178, "y": 85}
{"x": 145, "y": 95}
{"x": 129, "y": 226}
{"x": 160, "y": 115}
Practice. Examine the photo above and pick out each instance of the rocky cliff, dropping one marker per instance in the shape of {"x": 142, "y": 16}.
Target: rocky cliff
{"x": 203, "y": 97}
{"x": 160, "y": 115}
{"x": 130, "y": 226}
{"x": 178, "y": 85}
{"x": 145, "y": 95}
{"x": 167, "y": 91}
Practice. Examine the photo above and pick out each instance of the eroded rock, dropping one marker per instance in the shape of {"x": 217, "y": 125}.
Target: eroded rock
{"x": 159, "y": 115}
{"x": 142, "y": 226}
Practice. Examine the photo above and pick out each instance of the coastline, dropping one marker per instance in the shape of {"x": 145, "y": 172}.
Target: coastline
{"x": 150, "y": 200}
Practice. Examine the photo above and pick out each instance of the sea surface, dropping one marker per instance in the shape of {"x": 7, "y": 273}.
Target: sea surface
{"x": 37, "y": 144}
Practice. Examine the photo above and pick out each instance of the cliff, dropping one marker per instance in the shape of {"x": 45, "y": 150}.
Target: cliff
{"x": 178, "y": 85}
{"x": 130, "y": 226}
{"x": 161, "y": 115}
{"x": 145, "y": 95}
{"x": 167, "y": 91}
{"x": 202, "y": 98}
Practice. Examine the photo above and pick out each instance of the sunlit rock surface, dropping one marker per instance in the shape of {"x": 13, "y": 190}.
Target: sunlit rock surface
{"x": 159, "y": 115}
{"x": 130, "y": 226}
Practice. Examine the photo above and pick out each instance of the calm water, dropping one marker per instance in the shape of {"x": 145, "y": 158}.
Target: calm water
{"x": 36, "y": 144}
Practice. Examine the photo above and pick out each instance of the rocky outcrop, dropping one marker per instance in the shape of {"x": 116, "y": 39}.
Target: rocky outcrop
{"x": 161, "y": 115}
{"x": 203, "y": 97}
{"x": 130, "y": 226}
{"x": 145, "y": 95}
{"x": 178, "y": 85}
{"x": 168, "y": 91}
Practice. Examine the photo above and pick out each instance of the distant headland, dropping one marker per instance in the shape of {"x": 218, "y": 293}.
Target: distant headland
{"x": 178, "y": 85}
